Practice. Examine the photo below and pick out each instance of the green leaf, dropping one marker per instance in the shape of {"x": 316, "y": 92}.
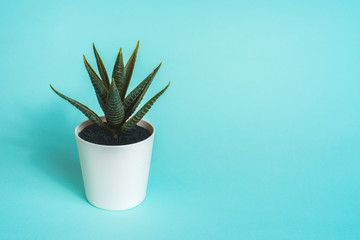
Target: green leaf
{"x": 141, "y": 113}
{"x": 129, "y": 68}
{"x": 118, "y": 72}
{"x": 102, "y": 69}
{"x": 93, "y": 117}
{"x": 100, "y": 89}
{"x": 134, "y": 98}
{"x": 114, "y": 113}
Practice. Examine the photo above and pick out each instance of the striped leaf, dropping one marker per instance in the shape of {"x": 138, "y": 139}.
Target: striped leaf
{"x": 93, "y": 117}
{"x": 118, "y": 72}
{"x": 114, "y": 110}
{"x": 134, "y": 98}
{"x": 100, "y": 89}
{"x": 102, "y": 69}
{"x": 128, "y": 71}
{"x": 141, "y": 113}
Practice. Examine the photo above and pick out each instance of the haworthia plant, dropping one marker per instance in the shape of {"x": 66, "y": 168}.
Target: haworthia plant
{"x": 116, "y": 105}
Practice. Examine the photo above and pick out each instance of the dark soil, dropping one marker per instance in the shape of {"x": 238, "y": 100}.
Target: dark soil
{"x": 95, "y": 134}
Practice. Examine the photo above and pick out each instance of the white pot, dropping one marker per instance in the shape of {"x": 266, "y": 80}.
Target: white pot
{"x": 115, "y": 177}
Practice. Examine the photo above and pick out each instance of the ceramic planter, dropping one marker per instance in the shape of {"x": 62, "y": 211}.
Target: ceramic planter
{"x": 115, "y": 177}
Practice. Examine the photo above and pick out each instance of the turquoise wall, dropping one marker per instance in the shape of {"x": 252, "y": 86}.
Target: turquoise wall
{"x": 256, "y": 138}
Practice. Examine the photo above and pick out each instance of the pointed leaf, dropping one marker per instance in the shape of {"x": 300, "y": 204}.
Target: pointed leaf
{"x": 93, "y": 117}
{"x": 102, "y": 69}
{"x": 118, "y": 72}
{"x": 114, "y": 110}
{"x": 134, "y": 98}
{"x": 100, "y": 89}
{"x": 129, "y": 68}
{"x": 141, "y": 113}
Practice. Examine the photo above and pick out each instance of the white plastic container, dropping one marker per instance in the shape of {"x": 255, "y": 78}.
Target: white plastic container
{"x": 115, "y": 177}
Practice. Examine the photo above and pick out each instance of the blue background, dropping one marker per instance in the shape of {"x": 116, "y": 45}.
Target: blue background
{"x": 257, "y": 137}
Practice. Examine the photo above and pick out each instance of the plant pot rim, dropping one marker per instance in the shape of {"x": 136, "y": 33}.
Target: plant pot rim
{"x": 86, "y": 123}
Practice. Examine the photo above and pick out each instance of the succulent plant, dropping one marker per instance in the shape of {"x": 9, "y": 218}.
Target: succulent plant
{"x": 116, "y": 105}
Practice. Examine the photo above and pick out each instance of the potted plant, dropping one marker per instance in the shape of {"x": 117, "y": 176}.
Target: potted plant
{"x": 115, "y": 149}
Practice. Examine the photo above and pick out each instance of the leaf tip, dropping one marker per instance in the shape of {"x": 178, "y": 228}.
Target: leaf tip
{"x": 137, "y": 46}
{"x": 94, "y": 48}
{"x": 53, "y": 89}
